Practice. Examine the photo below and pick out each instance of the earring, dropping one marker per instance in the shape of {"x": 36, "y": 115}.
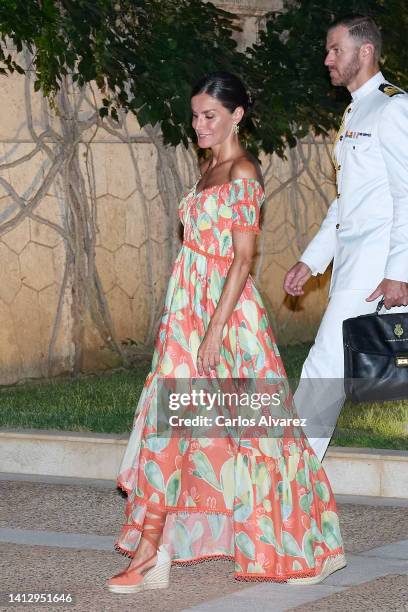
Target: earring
{"x": 235, "y": 128}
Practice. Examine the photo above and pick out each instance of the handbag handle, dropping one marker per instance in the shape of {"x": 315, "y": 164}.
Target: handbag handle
{"x": 379, "y": 306}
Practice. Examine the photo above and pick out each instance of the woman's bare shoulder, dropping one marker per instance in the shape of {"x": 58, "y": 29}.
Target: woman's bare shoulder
{"x": 246, "y": 167}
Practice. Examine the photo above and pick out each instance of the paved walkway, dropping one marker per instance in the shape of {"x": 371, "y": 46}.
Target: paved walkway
{"x": 57, "y": 536}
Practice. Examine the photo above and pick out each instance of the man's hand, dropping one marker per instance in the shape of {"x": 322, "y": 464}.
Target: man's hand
{"x": 395, "y": 293}
{"x": 296, "y": 278}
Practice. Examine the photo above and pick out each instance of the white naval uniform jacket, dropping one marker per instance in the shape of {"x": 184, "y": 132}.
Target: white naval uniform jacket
{"x": 365, "y": 231}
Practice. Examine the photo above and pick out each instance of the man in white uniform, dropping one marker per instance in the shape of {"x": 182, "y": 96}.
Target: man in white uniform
{"x": 365, "y": 231}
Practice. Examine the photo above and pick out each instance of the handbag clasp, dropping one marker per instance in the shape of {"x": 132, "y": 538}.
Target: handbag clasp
{"x": 401, "y": 361}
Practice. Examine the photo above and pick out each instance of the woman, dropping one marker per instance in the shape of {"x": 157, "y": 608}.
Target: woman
{"x": 264, "y": 502}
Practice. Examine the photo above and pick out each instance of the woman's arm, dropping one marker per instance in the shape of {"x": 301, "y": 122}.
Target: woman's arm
{"x": 208, "y": 355}
{"x": 243, "y": 243}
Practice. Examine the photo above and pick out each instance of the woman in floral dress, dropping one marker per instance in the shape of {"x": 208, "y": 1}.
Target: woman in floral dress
{"x": 263, "y": 501}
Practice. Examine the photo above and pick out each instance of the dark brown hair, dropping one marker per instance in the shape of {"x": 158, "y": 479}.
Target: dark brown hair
{"x": 362, "y": 29}
{"x": 224, "y": 87}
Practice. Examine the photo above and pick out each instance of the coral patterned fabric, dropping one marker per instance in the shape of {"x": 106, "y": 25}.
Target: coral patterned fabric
{"x": 264, "y": 502}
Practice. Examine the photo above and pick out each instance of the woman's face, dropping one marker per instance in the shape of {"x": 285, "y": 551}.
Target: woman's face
{"x": 212, "y": 122}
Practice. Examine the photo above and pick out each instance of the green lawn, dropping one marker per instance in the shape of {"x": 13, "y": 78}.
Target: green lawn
{"x": 106, "y": 403}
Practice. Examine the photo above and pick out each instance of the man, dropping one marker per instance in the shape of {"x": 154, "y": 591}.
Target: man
{"x": 365, "y": 231}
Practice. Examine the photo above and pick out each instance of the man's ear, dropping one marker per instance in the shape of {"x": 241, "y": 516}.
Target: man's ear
{"x": 367, "y": 50}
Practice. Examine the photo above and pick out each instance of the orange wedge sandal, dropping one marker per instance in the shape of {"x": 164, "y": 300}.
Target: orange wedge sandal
{"x": 131, "y": 580}
{"x": 330, "y": 565}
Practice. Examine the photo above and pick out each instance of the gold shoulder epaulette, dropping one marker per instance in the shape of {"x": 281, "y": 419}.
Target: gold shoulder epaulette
{"x": 390, "y": 90}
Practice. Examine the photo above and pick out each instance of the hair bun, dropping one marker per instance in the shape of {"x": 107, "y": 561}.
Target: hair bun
{"x": 225, "y": 87}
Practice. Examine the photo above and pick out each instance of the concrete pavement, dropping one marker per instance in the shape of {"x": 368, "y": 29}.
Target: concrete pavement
{"x": 56, "y": 534}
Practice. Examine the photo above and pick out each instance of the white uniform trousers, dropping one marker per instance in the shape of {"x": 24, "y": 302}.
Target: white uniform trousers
{"x": 320, "y": 395}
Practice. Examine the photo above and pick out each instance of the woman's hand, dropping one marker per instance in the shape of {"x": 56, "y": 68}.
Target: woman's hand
{"x": 208, "y": 354}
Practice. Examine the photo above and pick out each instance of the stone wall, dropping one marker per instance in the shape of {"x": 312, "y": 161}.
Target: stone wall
{"x": 133, "y": 219}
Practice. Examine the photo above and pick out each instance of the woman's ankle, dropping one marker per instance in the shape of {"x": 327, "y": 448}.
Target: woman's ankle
{"x": 151, "y": 538}
{"x": 145, "y": 557}
{"x": 142, "y": 566}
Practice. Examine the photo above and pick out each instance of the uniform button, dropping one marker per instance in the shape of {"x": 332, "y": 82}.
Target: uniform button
{"x": 337, "y": 225}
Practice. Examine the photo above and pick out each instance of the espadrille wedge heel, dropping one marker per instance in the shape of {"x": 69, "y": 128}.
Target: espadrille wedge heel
{"x": 330, "y": 565}
{"x": 131, "y": 581}
{"x": 136, "y": 577}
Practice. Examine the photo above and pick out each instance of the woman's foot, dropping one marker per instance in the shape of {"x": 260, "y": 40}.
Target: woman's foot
{"x": 145, "y": 557}
{"x": 150, "y": 567}
{"x": 132, "y": 580}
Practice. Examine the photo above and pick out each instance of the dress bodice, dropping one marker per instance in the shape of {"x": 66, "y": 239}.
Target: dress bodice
{"x": 212, "y": 214}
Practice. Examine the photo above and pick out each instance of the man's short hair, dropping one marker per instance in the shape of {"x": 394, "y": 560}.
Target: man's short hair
{"x": 363, "y": 29}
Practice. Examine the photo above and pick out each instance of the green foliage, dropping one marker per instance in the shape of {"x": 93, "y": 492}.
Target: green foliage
{"x": 287, "y": 74}
{"x": 144, "y": 55}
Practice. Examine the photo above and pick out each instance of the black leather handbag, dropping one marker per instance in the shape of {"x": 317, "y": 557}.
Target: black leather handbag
{"x": 376, "y": 356}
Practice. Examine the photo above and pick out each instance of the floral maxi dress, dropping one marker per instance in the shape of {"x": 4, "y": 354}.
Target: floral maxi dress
{"x": 266, "y": 503}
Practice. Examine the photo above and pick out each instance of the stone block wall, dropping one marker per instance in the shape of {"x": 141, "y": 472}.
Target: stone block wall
{"x": 133, "y": 223}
